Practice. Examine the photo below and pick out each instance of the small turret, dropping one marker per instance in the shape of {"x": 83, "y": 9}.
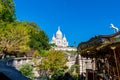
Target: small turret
{"x": 53, "y": 38}
{"x": 64, "y": 38}
{"x": 59, "y": 34}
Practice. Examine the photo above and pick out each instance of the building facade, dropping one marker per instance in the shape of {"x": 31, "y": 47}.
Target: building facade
{"x": 61, "y": 42}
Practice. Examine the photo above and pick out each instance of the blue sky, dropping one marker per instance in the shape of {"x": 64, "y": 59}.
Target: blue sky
{"x": 79, "y": 20}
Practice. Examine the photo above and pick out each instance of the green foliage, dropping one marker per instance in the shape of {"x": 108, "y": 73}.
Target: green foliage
{"x": 7, "y": 11}
{"x": 52, "y": 44}
{"x": 36, "y": 54}
{"x": 26, "y": 70}
{"x": 34, "y": 25}
{"x": 73, "y": 68}
{"x": 14, "y": 38}
{"x": 39, "y": 40}
{"x": 53, "y": 62}
{"x": 19, "y": 36}
{"x": 58, "y": 73}
{"x": 43, "y": 53}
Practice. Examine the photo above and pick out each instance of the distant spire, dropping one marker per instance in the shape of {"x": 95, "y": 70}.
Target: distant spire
{"x": 64, "y": 38}
{"x": 53, "y": 38}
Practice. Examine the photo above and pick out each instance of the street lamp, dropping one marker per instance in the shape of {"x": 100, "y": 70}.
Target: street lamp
{"x": 82, "y": 64}
{"x": 93, "y": 67}
{"x": 86, "y": 71}
{"x": 113, "y": 48}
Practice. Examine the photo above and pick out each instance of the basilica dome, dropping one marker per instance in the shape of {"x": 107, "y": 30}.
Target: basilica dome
{"x": 59, "y": 40}
{"x": 59, "y": 34}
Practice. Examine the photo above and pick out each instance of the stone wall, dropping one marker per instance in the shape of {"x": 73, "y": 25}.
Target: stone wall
{"x": 84, "y": 63}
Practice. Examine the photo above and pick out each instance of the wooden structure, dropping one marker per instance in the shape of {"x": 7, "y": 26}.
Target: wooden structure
{"x": 105, "y": 47}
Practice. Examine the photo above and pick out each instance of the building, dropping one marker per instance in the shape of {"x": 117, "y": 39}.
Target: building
{"x": 61, "y": 42}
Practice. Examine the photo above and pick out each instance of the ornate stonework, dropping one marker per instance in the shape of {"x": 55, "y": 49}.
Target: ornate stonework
{"x": 61, "y": 42}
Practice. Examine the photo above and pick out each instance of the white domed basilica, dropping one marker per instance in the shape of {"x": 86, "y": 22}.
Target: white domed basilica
{"x": 60, "y": 41}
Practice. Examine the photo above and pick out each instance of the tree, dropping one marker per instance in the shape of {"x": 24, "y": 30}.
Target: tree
{"x": 21, "y": 37}
{"x": 39, "y": 40}
{"x": 11, "y": 32}
{"x": 7, "y": 11}
{"x": 14, "y": 38}
{"x": 53, "y": 62}
{"x": 73, "y": 68}
{"x": 26, "y": 70}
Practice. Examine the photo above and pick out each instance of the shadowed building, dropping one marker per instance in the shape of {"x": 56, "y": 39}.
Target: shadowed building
{"x": 8, "y": 72}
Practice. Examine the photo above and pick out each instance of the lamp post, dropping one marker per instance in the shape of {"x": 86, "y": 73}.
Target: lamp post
{"x": 82, "y": 64}
{"x": 93, "y": 67}
{"x": 113, "y": 48}
{"x": 86, "y": 71}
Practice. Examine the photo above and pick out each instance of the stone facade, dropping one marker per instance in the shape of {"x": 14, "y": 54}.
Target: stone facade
{"x": 61, "y": 42}
{"x": 84, "y": 63}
